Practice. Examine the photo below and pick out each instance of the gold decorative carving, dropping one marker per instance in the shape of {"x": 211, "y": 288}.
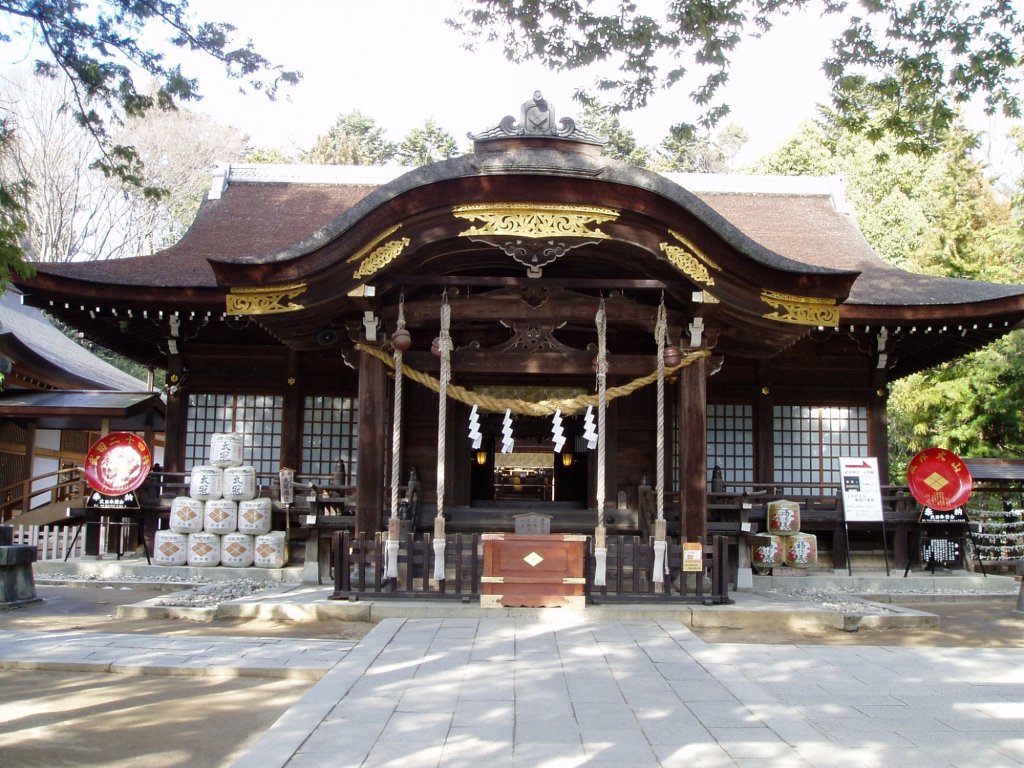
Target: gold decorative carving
{"x": 261, "y": 300}
{"x": 361, "y": 253}
{"x": 535, "y": 220}
{"x": 690, "y": 260}
{"x": 710, "y": 298}
{"x": 381, "y": 257}
{"x": 801, "y": 310}
{"x": 687, "y": 263}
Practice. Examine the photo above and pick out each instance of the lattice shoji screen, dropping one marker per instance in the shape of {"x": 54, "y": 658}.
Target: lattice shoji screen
{"x": 330, "y": 431}
{"x": 257, "y": 417}
{"x": 808, "y": 440}
{"x": 731, "y": 441}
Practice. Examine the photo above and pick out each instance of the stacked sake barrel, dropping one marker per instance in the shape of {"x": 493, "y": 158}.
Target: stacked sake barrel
{"x": 221, "y": 521}
{"x": 784, "y": 544}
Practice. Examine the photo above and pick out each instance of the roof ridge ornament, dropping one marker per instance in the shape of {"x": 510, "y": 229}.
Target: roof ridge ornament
{"x": 538, "y": 121}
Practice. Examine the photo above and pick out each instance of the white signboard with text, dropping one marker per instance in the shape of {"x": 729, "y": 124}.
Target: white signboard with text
{"x": 862, "y": 494}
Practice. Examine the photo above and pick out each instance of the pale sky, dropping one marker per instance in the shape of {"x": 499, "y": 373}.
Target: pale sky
{"x": 396, "y": 61}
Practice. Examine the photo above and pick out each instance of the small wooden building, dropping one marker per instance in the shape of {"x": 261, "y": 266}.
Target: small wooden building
{"x": 274, "y": 316}
{"x": 56, "y": 398}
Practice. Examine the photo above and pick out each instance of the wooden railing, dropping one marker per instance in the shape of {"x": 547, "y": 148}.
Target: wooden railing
{"x": 358, "y": 564}
{"x": 63, "y": 485}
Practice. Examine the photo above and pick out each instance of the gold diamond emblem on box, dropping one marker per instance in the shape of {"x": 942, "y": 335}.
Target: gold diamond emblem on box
{"x": 935, "y": 481}
{"x": 533, "y": 559}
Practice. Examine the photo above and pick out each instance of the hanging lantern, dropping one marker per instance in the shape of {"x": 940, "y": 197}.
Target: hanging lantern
{"x": 566, "y": 459}
{"x": 481, "y": 457}
{"x": 401, "y": 340}
{"x": 672, "y": 356}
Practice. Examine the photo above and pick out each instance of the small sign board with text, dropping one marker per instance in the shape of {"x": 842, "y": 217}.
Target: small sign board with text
{"x": 862, "y": 494}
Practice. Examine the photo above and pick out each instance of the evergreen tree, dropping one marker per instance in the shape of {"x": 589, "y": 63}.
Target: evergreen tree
{"x": 426, "y": 144}
{"x": 354, "y": 139}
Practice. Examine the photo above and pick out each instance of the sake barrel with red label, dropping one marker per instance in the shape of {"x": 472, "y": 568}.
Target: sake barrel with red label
{"x": 221, "y": 516}
{"x": 206, "y": 483}
{"x": 186, "y": 515}
{"x": 203, "y": 549}
{"x": 170, "y": 548}
{"x": 766, "y": 551}
{"x": 236, "y": 550}
{"x": 226, "y": 449}
{"x": 801, "y": 550}
{"x": 783, "y": 517}
{"x": 239, "y": 483}
{"x": 254, "y": 516}
{"x": 271, "y": 550}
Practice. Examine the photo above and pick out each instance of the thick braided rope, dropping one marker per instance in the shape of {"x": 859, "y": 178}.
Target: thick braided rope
{"x": 569, "y": 406}
{"x": 396, "y": 422}
{"x": 602, "y": 406}
{"x": 445, "y": 342}
{"x": 659, "y": 334}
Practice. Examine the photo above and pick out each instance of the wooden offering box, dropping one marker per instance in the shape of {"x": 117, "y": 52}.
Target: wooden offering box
{"x": 534, "y": 571}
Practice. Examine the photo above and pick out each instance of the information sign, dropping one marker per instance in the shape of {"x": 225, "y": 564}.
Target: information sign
{"x": 862, "y": 494}
{"x": 692, "y": 556}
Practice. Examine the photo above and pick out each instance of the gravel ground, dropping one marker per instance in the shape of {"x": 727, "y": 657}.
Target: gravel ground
{"x": 215, "y": 593}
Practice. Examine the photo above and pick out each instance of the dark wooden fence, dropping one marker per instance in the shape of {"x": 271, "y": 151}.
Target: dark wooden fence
{"x": 358, "y": 566}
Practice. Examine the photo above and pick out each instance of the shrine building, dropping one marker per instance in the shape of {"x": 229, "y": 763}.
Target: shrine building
{"x": 726, "y": 326}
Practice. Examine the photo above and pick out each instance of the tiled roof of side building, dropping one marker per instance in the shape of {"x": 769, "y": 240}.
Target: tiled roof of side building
{"x": 35, "y": 332}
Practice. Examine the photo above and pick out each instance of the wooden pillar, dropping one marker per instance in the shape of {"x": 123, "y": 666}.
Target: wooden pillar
{"x": 764, "y": 463}
{"x": 373, "y": 420}
{"x": 30, "y": 466}
{"x": 177, "y": 417}
{"x": 693, "y": 450}
{"x": 878, "y": 426}
{"x": 291, "y": 427}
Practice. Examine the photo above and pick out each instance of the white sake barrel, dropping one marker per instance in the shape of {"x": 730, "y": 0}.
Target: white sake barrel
{"x": 783, "y": 517}
{"x": 203, "y": 549}
{"x": 766, "y": 551}
{"x": 254, "y": 516}
{"x": 801, "y": 550}
{"x": 271, "y": 550}
{"x": 186, "y": 515}
{"x": 170, "y": 548}
{"x": 220, "y": 516}
{"x": 236, "y": 550}
{"x": 239, "y": 483}
{"x": 226, "y": 449}
{"x": 206, "y": 483}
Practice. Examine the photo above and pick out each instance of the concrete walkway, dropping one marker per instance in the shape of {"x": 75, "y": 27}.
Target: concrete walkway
{"x": 80, "y": 651}
{"x": 570, "y": 691}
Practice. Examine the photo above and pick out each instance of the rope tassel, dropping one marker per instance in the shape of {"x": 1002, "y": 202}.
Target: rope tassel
{"x": 439, "y": 547}
{"x": 391, "y": 558}
{"x": 660, "y": 568}
{"x": 600, "y": 566}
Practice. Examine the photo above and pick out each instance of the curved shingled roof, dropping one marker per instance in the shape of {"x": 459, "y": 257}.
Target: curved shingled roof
{"x": 273, "y": 214}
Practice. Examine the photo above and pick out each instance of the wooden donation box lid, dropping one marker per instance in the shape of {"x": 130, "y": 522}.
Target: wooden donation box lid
{"x": 533, "y": 570}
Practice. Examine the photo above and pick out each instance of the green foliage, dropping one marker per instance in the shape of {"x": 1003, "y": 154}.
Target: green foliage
{"x": 973, "y": 406}
{"x": 710, "y": 153}
{"x": 99, "y": 47}
{"x": 620, "y": 144}
{"x": 898, "y": 69}
{"x": 936, "y": 214}
{"x": 13, "y": 226}
{"x": 427, "y": 144}
{"x": 267, "y": 155}
{"x": 354, "y": 139}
